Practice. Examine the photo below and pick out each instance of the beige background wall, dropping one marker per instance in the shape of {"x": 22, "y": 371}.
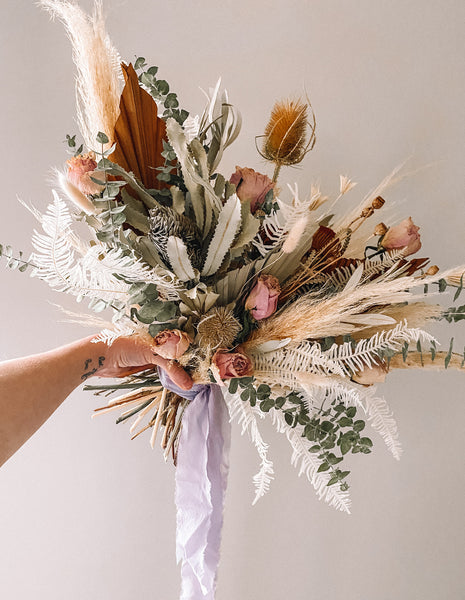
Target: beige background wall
{"x": 87, "y": 514}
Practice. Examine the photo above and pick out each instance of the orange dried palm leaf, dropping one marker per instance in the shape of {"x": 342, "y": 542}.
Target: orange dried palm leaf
{"x": 139, "y": 132}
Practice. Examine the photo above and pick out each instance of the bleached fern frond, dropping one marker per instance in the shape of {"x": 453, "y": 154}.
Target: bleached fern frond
{"x": 308, "y": 463}
{"x": 366, "y": 352}
{"x": 329, "y": 388}
{"x": 120, "y": 329}
{"x": 99, "y": 77}
{"x": 385, "y": 264}
{"x": 55, "y": 255}
{"x": 246, "y": 417}
{"x": 382, "y": 420}
{"x": 283, "y": 366}
{"x": 91, "y": 275}
{"x": 279, "y": 223}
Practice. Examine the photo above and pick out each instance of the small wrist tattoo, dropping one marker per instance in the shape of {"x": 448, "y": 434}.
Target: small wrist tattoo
{"x": 88, "y": 371}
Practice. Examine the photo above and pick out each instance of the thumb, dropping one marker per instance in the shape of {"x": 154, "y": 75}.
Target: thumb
{"x": 175, "y": 372}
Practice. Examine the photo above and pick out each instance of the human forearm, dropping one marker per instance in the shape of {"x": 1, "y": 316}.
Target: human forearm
{"x": 32, "y": 388}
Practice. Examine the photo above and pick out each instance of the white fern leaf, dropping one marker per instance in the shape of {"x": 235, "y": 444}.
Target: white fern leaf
{"x": 308, "y": 463}
{"x": 108, "y": 336}
{"x": 229, "y": 220}
{"x": 382, "y": 420}
{"x": 246, "y": 417}
{"x": 284, "y": 365}
{"x": 91, "y": 275}
{"x": 366, "y": 352}
{"x": 179, "y": 259}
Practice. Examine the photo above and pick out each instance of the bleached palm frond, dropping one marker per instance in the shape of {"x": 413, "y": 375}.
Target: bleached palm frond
{"x": 308, "y": 463}
{"x": 99, "y": 77}
{"x": 247, "y": 417}
{"x": 231, "y": 285}
{"x": 366, "y": 352}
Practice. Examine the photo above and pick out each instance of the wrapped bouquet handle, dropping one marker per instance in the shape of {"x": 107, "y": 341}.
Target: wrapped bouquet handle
{"x": 201, "y": 479}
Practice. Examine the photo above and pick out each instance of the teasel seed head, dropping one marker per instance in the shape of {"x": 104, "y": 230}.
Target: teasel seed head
{"x": 218, "y": 328}
{"x": 289, "y": 134}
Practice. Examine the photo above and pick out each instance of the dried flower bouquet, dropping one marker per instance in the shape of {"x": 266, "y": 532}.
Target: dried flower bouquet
{"x": 287, "y": 305}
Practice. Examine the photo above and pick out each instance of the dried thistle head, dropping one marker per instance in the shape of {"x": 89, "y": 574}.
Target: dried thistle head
{"x": 218, "y": 328}
{"x": 289, "y": 134}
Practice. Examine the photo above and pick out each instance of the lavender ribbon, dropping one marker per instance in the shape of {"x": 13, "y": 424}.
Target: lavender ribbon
{"x": 201, "y": 479}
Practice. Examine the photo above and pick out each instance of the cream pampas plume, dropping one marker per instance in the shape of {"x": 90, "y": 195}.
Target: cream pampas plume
{"x": 99, "y": 77}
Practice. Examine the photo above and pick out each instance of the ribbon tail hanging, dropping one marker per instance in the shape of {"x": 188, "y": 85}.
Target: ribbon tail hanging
{"x": 201, "y": 480}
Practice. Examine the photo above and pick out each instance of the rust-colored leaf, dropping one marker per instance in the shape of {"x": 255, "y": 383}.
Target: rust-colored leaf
{"x": 139, "y": 132}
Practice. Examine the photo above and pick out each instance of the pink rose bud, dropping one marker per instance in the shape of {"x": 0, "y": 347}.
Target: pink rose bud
{"x": 370, "y": 375}
{"x": 171, "y": 343}
{"x": 263, "y": 298}
{"x": 80, "y": 170}
{"x": 231, "y": 364}
{"x": 252, "y": 186}
{"x": 405, "y": 235}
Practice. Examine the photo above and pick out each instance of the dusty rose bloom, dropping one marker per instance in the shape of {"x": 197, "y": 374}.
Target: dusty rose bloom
{"x": 80, "y": 170}
{"x": 252, "y": 186}
{"x": 370, "y": 375}
{"x": 171, "y": 343}
{"x": 405, "y": 235}
{"x": 232, "y": 364}
{"x": 263, "y": 298}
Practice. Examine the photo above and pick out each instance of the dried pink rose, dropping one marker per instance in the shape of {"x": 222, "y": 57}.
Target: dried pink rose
{"x": 405, "y": 235}
{"x": 263, "y": 298}
{"x": 370, "y": 375}
{"x": 231, "y": 364}
{"x": 80, "y": 170}
{"x": 171, "y": 343}
{"x": 252, "y": 186}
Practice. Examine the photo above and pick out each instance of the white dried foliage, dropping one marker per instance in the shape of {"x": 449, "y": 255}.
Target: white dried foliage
{"x": 367, "y": 351}
{"x": 277, "y": 225}
{"x": 117, "y": 330}
{"x": 90, "y": 275}
{"x": 308, "y": 463}
{"x": 284, "y": 366}
{"x": 99, "y": 77}
{"x": 381, "y": 419}
{"x": 246, "y": 417}
{"x": 221, "y": 121}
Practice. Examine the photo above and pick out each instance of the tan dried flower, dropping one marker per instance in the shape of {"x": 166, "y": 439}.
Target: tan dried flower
{"x": 287, "y": 139}
{"x": 218, "y": 328}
